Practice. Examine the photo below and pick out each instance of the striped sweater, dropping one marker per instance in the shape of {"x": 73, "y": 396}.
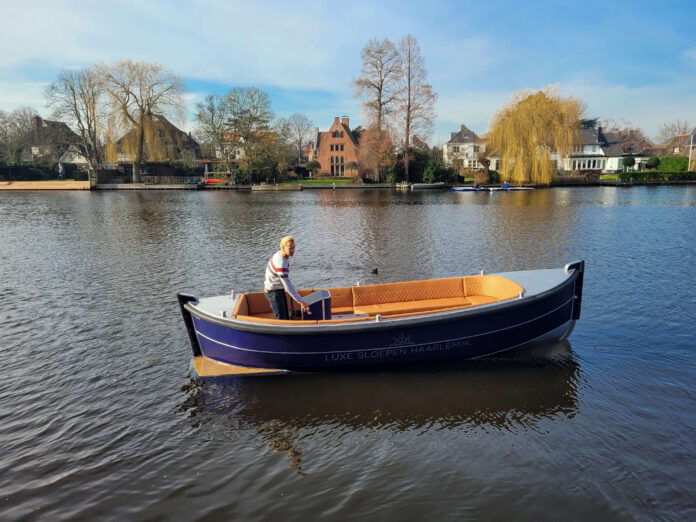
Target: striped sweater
{"x": 277, "y": 271}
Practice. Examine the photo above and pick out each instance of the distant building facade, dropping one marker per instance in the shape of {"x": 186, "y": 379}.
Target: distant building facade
{"x": 462, "y": 150}
{"x": 335, "y": 148}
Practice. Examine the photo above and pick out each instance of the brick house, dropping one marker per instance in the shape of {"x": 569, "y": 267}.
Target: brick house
{"x": 336, "y": 148}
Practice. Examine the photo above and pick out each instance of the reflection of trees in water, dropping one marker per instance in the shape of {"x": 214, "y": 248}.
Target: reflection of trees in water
{"x": 513, "y": 393}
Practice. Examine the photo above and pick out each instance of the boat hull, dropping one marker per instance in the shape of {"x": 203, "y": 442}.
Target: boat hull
{"x": 461, "y": 334}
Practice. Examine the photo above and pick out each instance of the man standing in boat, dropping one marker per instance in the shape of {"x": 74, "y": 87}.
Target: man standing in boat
{"x": 277, "y": 280}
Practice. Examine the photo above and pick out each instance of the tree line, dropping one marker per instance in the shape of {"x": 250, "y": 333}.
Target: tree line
{"x": 113, "y": 108}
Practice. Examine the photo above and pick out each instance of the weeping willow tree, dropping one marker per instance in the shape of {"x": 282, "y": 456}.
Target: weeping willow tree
{"x": 137, "y": 92}
{"x": 529, "y": 130}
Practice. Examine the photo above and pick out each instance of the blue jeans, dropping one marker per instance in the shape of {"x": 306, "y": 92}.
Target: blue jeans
{"x": 279, "y": 303}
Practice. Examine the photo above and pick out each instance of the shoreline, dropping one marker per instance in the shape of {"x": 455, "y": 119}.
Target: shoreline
{"x": 44, "y": 185}
{"x": 56, "y": 185}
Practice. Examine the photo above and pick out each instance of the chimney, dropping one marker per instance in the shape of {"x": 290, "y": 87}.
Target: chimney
{"x": 36, "y": 122}
{"x": 336, "y": 121}
{"x": 345, "y": 121}
{"x": 316, "y": 130}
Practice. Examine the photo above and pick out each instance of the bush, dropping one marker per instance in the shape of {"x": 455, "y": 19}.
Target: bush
{"x": 655, "y": 175}
{"x": 436, "y": 172}
{"x": 494, "y": 176}
{"x": 80, "y": 175}
{"x": 674, "y": 164}
{"x": 653, "y": 163}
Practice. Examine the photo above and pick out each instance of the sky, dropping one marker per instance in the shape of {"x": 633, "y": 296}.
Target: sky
{"x": 629, "y": 61}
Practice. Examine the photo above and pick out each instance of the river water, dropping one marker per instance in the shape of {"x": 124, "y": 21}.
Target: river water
{"x": 99, "y": 417}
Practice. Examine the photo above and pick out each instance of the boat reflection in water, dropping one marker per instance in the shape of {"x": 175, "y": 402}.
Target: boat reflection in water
{"x": 511, "y": 393}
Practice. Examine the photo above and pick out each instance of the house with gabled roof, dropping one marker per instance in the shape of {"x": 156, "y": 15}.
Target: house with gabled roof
{"x": 172, "y": 142}
{"x": 462, "y": 149}
{"x": 49, "y": 140}
{"x": 680, "y": 144}
{"x": 597, "y": 151}
{"x": 337, "y": 147}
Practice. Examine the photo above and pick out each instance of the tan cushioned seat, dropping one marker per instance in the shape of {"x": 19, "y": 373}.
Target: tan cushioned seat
{"x": 423, "y": 305}
{"x": 408, "y": 291}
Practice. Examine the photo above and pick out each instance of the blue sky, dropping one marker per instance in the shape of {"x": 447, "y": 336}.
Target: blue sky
{"x": 629, "y": 61}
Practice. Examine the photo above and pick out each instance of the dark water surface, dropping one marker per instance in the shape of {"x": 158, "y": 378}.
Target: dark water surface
{"x": 99, "y": 417}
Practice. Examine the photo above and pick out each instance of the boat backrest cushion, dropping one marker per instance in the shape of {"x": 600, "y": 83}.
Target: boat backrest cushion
{"x": 242, "y": 307}
{"x": 491, "y": 286}
{"x": 408, "y": 291}
{"x": 258, "y": 303}
{"x": 341, "y": 297}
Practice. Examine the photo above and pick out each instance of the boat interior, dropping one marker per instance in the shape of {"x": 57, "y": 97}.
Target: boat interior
{"x": 391, "y": 300}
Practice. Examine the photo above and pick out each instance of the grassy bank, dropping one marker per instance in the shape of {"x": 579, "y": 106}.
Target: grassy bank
{"x": 317, "y": 182}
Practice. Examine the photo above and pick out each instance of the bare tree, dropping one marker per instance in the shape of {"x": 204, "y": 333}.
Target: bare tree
{"x": 212, "y": 117}
{"x": 136, "y": 92}
{"x": 670, "y": 129}
{"x": 416, "y": 98}
{"x": 250, "y": 124}
{"x": 300, "y": 133}
{"x": 16, "y": 132}
{"x": 622, "y": 128}
{"x": 77, "y": 98}
{"x": 378, "y": 83}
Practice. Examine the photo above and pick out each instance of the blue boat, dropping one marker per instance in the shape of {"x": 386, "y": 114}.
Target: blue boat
{"x": 386, "y": 324}
{"x": 488, "y": 189}
{"x": 469, "y": 189}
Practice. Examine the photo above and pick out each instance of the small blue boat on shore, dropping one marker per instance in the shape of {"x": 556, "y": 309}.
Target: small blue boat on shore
{"x": 385, "y": 324}
{"x": 488, "y": 189}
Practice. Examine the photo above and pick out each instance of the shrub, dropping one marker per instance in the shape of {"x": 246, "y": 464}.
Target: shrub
{"x": 494, "y": 176}
{"x": 673, "y": 164}
{"x": 655, "y": 175}
{"x": 629, "y": 161}
{"x": 80, "y": 175}
{"x": 653, "y": 163}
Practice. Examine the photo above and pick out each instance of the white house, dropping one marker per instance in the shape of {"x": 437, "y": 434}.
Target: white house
{"x": 75, "y": 154}
{"x": 599, "y": 151}
{"x": 462, "y": 150}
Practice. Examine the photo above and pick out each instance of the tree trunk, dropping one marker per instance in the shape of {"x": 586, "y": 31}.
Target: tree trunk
{"x": 406, "y": 158}
{"x": 139, "y": 153}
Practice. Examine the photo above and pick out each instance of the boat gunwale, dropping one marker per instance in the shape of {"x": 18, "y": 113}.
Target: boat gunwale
{"x": 385, "y": 323}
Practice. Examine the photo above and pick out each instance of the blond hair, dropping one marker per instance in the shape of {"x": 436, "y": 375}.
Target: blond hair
{"x": 286, "y": 240}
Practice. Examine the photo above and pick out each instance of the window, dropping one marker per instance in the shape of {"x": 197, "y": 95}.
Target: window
{"x": 342, "y": 173}
{"x": 341, "y": 161}
{"x": 341, "y": 134}
{"x": 331, "y": 148}
{"x": 341, "y": 146}
{"x": 455, "y": 148}
{"x": 332, "y": 162}
{"x": 332, "y": 170}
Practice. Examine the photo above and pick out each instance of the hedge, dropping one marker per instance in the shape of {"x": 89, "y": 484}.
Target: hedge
{"x": 656, "y": 175}
{"x": 673, "y": 164}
